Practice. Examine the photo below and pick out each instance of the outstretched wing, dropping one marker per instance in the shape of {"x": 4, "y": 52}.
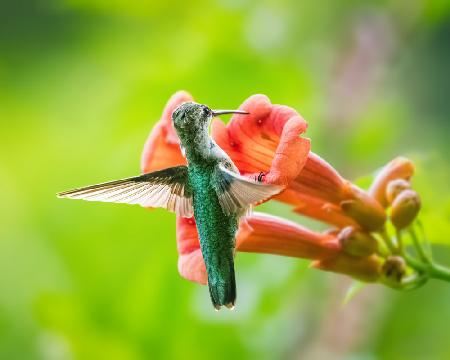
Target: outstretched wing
{"x": 168, "y": 189}
{"x": 237, "y": 193}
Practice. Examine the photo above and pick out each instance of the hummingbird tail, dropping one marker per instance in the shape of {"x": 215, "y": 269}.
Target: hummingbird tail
{"x": 222, "y": 285}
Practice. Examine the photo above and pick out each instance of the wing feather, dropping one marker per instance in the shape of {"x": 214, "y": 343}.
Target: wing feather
{"x": 168, "y": 188}
{"x": 237, "y": 193}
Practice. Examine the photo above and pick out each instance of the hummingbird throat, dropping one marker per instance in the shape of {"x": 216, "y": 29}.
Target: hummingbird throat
{"x": 196, "y": 144}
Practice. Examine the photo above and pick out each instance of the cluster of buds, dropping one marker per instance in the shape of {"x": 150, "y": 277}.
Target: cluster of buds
{"x": 365, "y": 240}
{"x": 361, "y": 218}
{"x": 372, "y": 225}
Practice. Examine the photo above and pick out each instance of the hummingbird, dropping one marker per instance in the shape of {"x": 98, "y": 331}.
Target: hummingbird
{"x": 209, "y": 187}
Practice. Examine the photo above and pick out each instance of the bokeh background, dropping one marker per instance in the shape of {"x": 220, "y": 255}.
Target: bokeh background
{"x": 81, "y": 84}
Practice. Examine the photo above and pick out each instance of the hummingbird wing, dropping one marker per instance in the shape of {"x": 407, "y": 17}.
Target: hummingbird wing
{"x": 237, "y": 193}
{"x": 168, "y": 189}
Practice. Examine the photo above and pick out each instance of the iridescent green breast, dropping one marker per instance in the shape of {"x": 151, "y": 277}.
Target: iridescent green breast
{"x": 217, "y": 233}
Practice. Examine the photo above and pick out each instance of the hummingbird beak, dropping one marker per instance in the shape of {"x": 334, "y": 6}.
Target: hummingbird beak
{"x": 223, "y": 112}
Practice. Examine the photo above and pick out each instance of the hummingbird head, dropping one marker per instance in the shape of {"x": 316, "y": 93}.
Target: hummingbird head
{"x": 191, "y": 118}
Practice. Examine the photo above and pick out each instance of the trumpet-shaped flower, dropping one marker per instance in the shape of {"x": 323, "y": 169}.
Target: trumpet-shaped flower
{"x": 267, "y": 145}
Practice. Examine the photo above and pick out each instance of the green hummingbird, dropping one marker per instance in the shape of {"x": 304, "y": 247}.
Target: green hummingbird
{"x": 210, "y": 188}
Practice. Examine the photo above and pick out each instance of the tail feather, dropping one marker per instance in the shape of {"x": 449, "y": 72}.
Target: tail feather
{"x": 222, "y": 285}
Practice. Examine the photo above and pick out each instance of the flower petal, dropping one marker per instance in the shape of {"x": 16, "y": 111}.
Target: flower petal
{"x": 273, "y": 235}
{"x": 320, "y": 180}
{"x": 162, "y": 148}
{"x": 317, "y": 192}
{"x": 267, "y": 140}
{"x": 316, "y": 208}
{"x": 190, "y": 262}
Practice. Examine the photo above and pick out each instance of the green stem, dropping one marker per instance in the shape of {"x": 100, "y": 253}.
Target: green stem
{"x": 388, "y": 241}
{"x": 383, "y": 251}
{"x": 415, "y": 264}
{"x": 433, "y": 270}
{"x": 398, "y": 236}
{"x": 424, "y": 267}
{"x": 418, "y": 246}
{"x": 437, "y": 271}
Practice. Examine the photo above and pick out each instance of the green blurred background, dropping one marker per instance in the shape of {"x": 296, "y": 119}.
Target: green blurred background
{"x": 81, "y": 84}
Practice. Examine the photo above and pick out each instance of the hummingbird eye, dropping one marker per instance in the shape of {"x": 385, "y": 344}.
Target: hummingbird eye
{"x": 207, "y": 111}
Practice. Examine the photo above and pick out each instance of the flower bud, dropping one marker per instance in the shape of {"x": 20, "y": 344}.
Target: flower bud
{"x": 394, "y": 268}
{"x": 405, "y": 208}
{"x": 399, "y": 168}
{"x": 365, "y": 210}
{"x": 394, "y": 188}
{"x": 357, "y": 243}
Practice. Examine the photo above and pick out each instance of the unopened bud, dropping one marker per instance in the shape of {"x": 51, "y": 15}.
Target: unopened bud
{"x": 399, "y": 168}
{"x": 405, "y": 208}
{"x": 365, "y": 210}
{"x": 394, "y": 268}
{"x": 394, "y": 188}
{"x": 357, "y": 243}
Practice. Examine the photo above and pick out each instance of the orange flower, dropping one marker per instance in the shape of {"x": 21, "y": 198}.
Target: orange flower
{"x": 268, "y": 140}
{"x": 267, "y": 234}
{"x": 317, "y": 192}
{"x": 320, "y": 180}
{"x": 321, "y": 193}
{"x": 260, "y": 233}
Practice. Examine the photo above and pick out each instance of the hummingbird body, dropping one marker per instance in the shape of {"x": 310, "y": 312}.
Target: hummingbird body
{"x": 209, "y": 188}
{"x": 216, "y": 229}
{"x": 217, "y": 232}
